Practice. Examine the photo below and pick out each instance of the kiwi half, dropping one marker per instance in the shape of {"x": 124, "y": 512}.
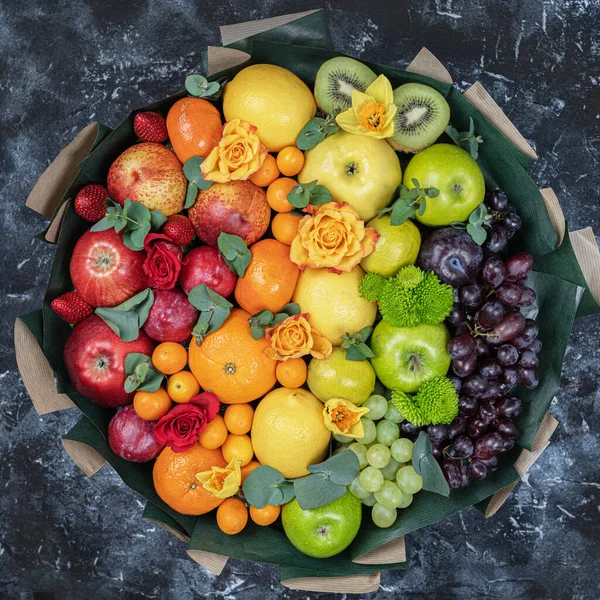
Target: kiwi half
{"x": 422, "y": 116}
{"x": 337, "y": 78}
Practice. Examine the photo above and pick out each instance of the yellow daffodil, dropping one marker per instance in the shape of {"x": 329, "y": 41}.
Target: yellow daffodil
{"x": 222, "y": 483}
{"x": 372, "y": 112}
{"x": 343, "y": 417}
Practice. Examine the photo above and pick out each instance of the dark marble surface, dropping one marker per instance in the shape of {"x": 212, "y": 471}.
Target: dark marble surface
{"x": 64, "y": 64}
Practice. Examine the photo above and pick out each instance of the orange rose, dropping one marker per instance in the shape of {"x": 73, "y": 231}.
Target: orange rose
{"x": 333, "y": 236}
{"x": 239, "y": 154}
{"x": 294, "y": 338}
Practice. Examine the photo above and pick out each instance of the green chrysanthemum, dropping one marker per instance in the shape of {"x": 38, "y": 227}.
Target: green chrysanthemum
{"x": 397, "y": 305}
{"x": 408, "y": 407}
{"x": 410, "y": 276}
{"x": 371, "y": 286}
{"x": 433, "y": 299}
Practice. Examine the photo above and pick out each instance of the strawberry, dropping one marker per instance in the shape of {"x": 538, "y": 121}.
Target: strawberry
{"x": 90, "y": 202}
{"x": 150, "y": 127}
{"x": 71, "y": 308}
{"x": 179, "y": 229}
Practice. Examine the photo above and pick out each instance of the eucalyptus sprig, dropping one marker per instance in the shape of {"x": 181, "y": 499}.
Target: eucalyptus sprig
{"x": 480, "y": 219}
{"x": 303, "y": 194}
{"x": 127, "y": 319}
{"x": 427, "y": 467}
{"x": 134, "y": 219}
{"x": 214, "y": 310}
{"x": 200, "y": 87}
{"x": 409, "y": 202}
{"x": 467, "y": 140}
{"x": 235, "y": 252}
{"x": 193, "y": 173}
{"x": 140, "y": 374}
{"x": 355, "y": 345}
{"x": 316, "y": 130}
{"x": 265, "y": 319}
{"x": 265, "y": 485}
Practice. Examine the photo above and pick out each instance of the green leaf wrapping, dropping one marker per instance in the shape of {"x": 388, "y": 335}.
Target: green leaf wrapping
{"x": 427, "y": 467}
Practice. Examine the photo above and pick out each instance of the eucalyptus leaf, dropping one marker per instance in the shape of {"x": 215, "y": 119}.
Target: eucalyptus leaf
{"x": 127, "y": 318}
{"x": 427, "y": 466}
{"x": 152, "y": 382}
{"x": 193, "y": 173}
{"x": 265, "y": 485}
{"x": 320, "y": 195}
{"x": 313, "y": 491}
{"x": 191, "y": 195}
{"x": 140, "y": 375}
{"x": 157, "y": 220}
{"x": 200, "y": 87}
{"x": 291, "y": 309}
{"x": 133, "y": 359}
{"x": 402, "y": 210}
{"x": 139, "y": 235}
{"x": 138, "y": 212}
{"x": 204, "y": 298}
{"x": 214, "y": 310}
{"x": 103, "y": 224}
{"x": 311, "y": 134}
{"x": 235, "y": 251}
{"x": 341, "y": 468}
{"x": 477, "y": 232}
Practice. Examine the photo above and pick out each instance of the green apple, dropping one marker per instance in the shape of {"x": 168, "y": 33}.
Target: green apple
{"x": 325, "y": 531}
{"x": 407, "y": 356}
{"x": 455, "y": 174}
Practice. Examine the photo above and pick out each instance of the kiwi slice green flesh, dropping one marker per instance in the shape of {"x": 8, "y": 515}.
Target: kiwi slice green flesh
{"x": 422, "y": 116}
{"x": 337, "y": 78}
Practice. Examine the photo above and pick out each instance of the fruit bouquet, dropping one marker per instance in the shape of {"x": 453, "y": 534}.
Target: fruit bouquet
{"x": 306, "y": 307}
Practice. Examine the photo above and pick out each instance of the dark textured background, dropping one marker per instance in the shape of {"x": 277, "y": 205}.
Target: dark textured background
{"x": 63, "y": 66}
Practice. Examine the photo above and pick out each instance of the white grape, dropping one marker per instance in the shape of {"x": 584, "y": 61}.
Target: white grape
{"x": 390, "y": 470}
{"x": 371, "y": 479}
{"x": 387, "y": 432}
{"x": 383, "y": 516}
{"x": 389, "y": 494}
{"x": 393, "y": 414}
{"x": 402, "y": 450}
{"x": 343, "y": 439}
{"x": 377, "y": 406}
{"x": 358, "y": 489}
{"x": 408, "y": 480}
{"x": 370, "y": 431}
{"x": 378, "y": 455}
{"x": 369, "y": 500}
{"x": 406, "y": 500}
{"x": 361, "y": 453}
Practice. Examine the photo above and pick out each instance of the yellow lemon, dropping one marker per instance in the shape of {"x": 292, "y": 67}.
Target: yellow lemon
{"x": 273, "y": 99}
{"x": 288, "y": 431}
{"x": 333, "y": 302}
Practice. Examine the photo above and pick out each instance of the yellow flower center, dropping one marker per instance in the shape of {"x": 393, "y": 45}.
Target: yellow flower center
{"x": 343, "y": 417}
{"x": 217, "y": 480}
{"x": 372, "y": 116}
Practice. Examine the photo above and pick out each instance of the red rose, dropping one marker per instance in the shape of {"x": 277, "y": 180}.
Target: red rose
{"x": 181, "y": 426}
{"x": 163, "y": 263}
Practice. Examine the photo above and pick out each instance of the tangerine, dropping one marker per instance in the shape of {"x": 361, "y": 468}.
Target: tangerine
{"x": 246, "y": 470}
{"x": 291, "y": 373}
{"x": 269, "y": 280}
{"x": 267, "y": 174}
{"x": 182, "y": 386}
{"x": 277, "y": 194}
{"x": 285, "y": 227}
{"x": 169, "y": 358}
{"x": 238, "y": 418}
{"x": 174, "y": 476}
{"x": 290, "y": 161}
{"x": 232, "y": 516}
{"x": 231, "y": 363}
{"x": 238, "y": 446}
{"x": 194, "y": 126}
{"x": 266, "y": 515}
{"x": 214, "y": 434}
{"x": 152, "y": 406}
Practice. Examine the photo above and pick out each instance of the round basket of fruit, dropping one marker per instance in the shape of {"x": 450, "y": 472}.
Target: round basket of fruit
{"x": 306, "y": 307}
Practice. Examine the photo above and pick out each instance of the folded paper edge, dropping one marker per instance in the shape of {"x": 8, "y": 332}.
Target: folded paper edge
{"x": 555, "y": 211}
{"x": 587, "y": 252}
{"x": 215, "y": 563}
{"x": 351, "y": 584}
{"x": 220, "y": 59}
{"x": 88, "y": 459}
{"x": 36, "y": 373}
{"x": 425, "y": 63}
{"x": 393, "y": 551}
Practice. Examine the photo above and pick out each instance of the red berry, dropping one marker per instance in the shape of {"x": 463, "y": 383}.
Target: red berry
{"x": 150, "y": 127}
{"x": 90, "y": 202}
{"x": 70, "y": 307}
{"x": 179, "y": 229}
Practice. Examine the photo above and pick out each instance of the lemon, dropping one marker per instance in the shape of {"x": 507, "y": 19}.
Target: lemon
{"x": 333, "y": 302}
{"x": 336, "y": 377}
{"x": 288, "y": 431}
{"x": 273, "y": 99}
{"x": 397, "y": 247}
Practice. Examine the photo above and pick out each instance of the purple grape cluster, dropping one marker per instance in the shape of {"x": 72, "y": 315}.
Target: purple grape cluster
{"x": 505, "y": 221}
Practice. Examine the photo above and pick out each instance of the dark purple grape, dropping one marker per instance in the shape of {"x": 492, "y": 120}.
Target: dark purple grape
{"x": 467, "y": 406}
{"x": 451, "y": 473}
{"x": 512, "y": 222}
{"x": 530, "y": 331}
{"x": 492, "y": 391}
{"x": 497, "y": 238}
{"x": 493, "y": 270}
{"x": 493, "y": 340}
{"x": 482, "y": 349}
{"x": 496, "y": 200}
{"x": 437, "y": 433}
{"x": 509, "y": 294}
{"x": 464, "y": 367}
{"x": 487, "y": 413}
{"x": 475, "y": 386}
{"x": 508, "y": 445}
{"x": 465, "y": 476}
{"x": 510, "y": 327}
{"x": 509, "y": 407}
{"x": 490, "y": 315}
{"x": 527, "y": 297}
{"x": 456, "y": 382}
{"x": 437, "y": 451}
{"x": 528, "y": 378}
{"x": 476, "y": 427}
{"x": 536, "y": 346}
{"x": 457, "y": 315}
{"x": 518, "y": 267}
{"x": 477, "y": 469}
{"x": 506, "y": 427}
{"x": 409, "y": 429}
{"x": 457, "y": 427}
{"x": 488, "y": 445}
{"x": 510, "y": 376}
{"x": 529, "y": 359}
{"x": 458, "y": 329}
{"x": 519, "y": 343}
{"x": 504, "y": 388}
{"x": 490, "y": 463}
{"x": 490, "y": 368}
{"x": 511, "y": 209}
{"x": 470, "y": 296}
{"x": 461, "y": 346}
{"x": 507, "y": 355}
{"x": 463, "y": 446}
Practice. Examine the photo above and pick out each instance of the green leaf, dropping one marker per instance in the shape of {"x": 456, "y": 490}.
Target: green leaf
{"x": 265, "y": 485}
{"x": 299, "y": 196}
{"x": 191, "y": 195}
{"x": 477, "y": 232}
{"x": 129, "y": 242}
{"x": 320, "y": 195}
{"x": 193, "y": 173}
{"x": 317, "y": 490}
{"x": 402, "y": 210}
{"x": 152, "y": 382}
{"x": 133, "y": 360}
{"x": 355, "y": 346}
{"x": 103, "y": 224}
{"x": 339, "y": 468}
{"x": 157, "y": 220}
{"x": 291, "y": 309}
{"x": 422, "y": 207}
{"x": 204, "y": 298}
{"x": 139, "y": 235}
{"x": 266, "y": 319}
{"x": 140, "y": 375}
{"x": 127, "y": 318}
{"x": 453, "y": 133}
{"x": 303, "y": 194}
{"x": 425, "y": 465}
{"x": 214, "y": 310}
{"x": 236, "y": 253}
{"x": 137, "y": 212}
{"x": 432, "y": 192}
{"x": 311, "y": 134}
{"x": 199, "y": 86}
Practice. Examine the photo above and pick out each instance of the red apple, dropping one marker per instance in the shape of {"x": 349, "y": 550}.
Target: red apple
{"x": 207, "y": 265}
{"x": 236, "y": 207}
{"x": 132, "y": 438}
{"x": 95, "y": 360}
{"x": 151, "y": 174}
{"x": 171, "y": 318}
{"x": 104, "y": 271}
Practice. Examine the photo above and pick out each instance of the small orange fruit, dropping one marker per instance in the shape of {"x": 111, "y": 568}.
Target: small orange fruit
{"x": 285, "y": 227}
{"x": 290, "y": 161}
{"x": 266, "y": 515}
{"x": 249, "y": 468}
{"x": 169, "y": 358}
{"x": 291, "y": 373}
{"x": 214, "y": 434}
{"x": 182, "y": 386}
{"x": 238, "y": 418}
{"x": 238, "y": 446}
{"x": 232, "y": 516}
{"x": 152, "y": 406}
{"x": 277, "y": 194}
{"x": 267, "y": 174}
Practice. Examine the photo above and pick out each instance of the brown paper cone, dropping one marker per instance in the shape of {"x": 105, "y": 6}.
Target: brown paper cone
{"x": 392, "y": 552}
{"x": 555, "y": 211}
{"x": 588, "y": 256}
{"x": 36, "y": 373}
{"x": 224, "y": 58}
{"x": 215, "y": 563}
{"x": 425, "y": 63}
{"x": 88, "y": 459}
{"x": 352, "y": 584}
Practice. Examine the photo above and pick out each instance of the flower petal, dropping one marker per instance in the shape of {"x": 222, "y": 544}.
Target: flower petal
{"x": 381, "y": 90}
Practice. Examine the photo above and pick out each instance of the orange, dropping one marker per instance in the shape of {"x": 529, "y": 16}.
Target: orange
{"x": 290, "y": 161}
{"x": 269, "y": 280}
{"x": 175, "y": 480}
{"x": 277, "y": 194}
{"x": 183, "y": 386}
{"x": 267, "y": 174}
{"x": 151, "y": 406}
{"x": 232, "y": 516}
{"x": 194, "y": 126}
{"x": 266, "y": 515}
{"x": 231, "y": 363}
{"x": 238, "y": 418}
{"x": 249, "y": 468}
{"x": 214, "y": 434}
{"x": 291, "y": 373}
{"x": 238, "y": 446}
{"x": 169, "y": 358}
{"x": 285, "y": 227}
